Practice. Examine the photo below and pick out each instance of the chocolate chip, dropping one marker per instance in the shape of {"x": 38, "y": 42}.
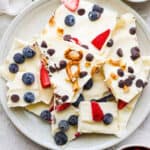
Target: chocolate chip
{"x": 52, "y": 69}
{"x": 89, "y": 57}
{"x": 139, "y": 83}
{"x": 128, "y": 82}
{"x": 44, "y": 44}
{"x": 135, "y": 53}
{"x": 132, "y": 30}
{"x": 67, "y": 37}
{"x": 83, "y": 74}
{"x": 130, "y": 70}
{"x": 51, "y": 52}
{"x": 62, "y": 64}
{"x": 110, "y": 43}
{"x": 121, "y": 84}
{"x": 64, "y": 98}
{"x": 132, "y": 77}
{"x": 85, "y": 46}
{"x": 120, "y": 52}
{"x": 120, "y": 72}
{"x": 81, "y": 12}
{"x": 15, "y": 98}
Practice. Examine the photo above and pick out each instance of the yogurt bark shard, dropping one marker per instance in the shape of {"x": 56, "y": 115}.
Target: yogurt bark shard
{"x": 124, "y": 69}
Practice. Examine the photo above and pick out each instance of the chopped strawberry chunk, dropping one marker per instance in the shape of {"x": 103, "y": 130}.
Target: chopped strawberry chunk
{"x": 76, "y": 40}
{"x": 44, "y": 77}
{"x": 62, "y": 107}
{"x": 77, "y": 134}
{"x": 121, "y": 104}
{"x": 97, "y": 113}
{"x": 100, "y": 40}
{"x": 72, "y": 5}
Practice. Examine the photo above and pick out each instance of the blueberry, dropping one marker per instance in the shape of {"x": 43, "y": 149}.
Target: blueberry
{"x": 80, "y": 99}
{"x": 29, "y": 97}
{"x": 28, "y": 52}
{"x": 60, "y": 138}
{"x": 108, "y": 118}
{"x": 97, "y": 8}
{"x": 73, "y": 120}
{"x": 28, "y": 78}
{"x": 63, "y": 125}
{"x": 13, "y": 68}
{"x": 70, "y": 20}
{"x": 19, "y": 58}
{"x": 88, "y": 85}
{"x": 45, "y": 115}
{"x": 94, "y": 15}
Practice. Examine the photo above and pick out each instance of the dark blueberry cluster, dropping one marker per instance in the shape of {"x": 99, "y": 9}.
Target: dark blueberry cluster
{"x": 28, "y": 78}
{"x": 61, "y": 137}
{"x": 70, "y": 20}
{"x": 29, "y": 97}
{"x": 108, "y": 118}
{"x": 19, "y": 58}
{"x": 95, "y": 13}
{"x": 63, "y": 125}
{"x": 46, "y": 115}
{"x": 140, "y": 83}
{"x": 73, "y": 120}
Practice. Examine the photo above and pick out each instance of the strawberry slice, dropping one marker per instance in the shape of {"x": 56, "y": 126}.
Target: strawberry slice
{"x": 100, "y": 40}
{"x": 44, "y": 77}
{"x": 77, "y": 134}
{"x": 121, "y": 104}
{"x": 97, "y": 113}
{"x": 62, "y": 107}
{"x": 72, "y": 5}
{"x": 76, "y": 40}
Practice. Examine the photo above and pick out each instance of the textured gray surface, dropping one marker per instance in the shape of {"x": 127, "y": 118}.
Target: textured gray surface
{"x": 12, "y": 139}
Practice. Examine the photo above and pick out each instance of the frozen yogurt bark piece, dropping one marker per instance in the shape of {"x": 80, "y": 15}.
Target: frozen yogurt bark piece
{"x": 87, "y": 26}
{"x": 70, "y": 67}
{"x": 64, "y": 125}
{"x": 16, "y": 62}
{"x": 21, "y": 94}
{"x": 124, "y": 70}
{"x": 25, "y": 59}
{"x": 125, "y": 112}
{"x": 98, "y": 117}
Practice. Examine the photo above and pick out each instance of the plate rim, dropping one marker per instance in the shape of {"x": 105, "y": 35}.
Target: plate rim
{"x": 18, "y": 125}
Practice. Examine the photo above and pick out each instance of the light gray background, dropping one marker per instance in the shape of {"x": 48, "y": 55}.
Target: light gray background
{"x": 12, "y": 139}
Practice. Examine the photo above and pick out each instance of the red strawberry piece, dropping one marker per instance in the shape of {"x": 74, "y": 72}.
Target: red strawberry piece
{"x": 51, "y": 108}
{"x": 121, "y": 104}
{"x": 100, "y": 40}
{"x": 62, "y": 107}
{"x": 72, "y": 5}
{"x": 97, "y": 113}
{"x": 76, "y": 40}
{"x": 44, "y": 77}
{"x": 77, "y": 134}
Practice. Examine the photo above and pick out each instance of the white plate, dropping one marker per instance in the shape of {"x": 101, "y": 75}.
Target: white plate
{"x": 27, "y": 24}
